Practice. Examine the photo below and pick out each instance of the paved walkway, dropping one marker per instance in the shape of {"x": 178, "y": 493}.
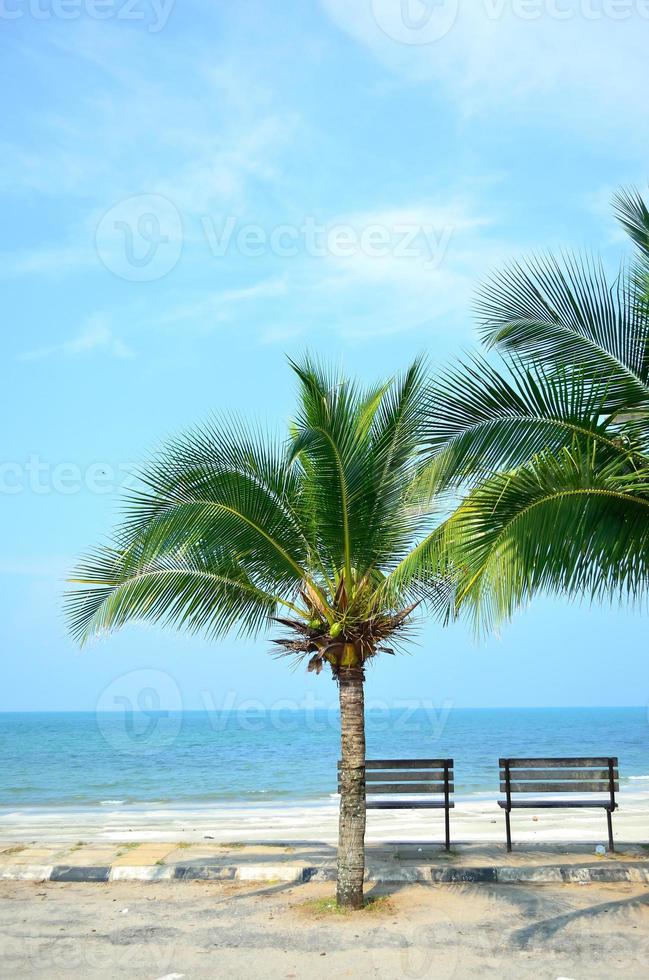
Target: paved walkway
{"x": 305, "y": 861}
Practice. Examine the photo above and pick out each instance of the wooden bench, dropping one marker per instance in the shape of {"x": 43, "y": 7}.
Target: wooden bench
{"x": 576, "y": 775}
{"x": 428, "y": 778}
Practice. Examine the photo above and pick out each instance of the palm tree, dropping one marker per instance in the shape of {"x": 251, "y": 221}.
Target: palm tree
{"x": 232, "y": 530}
{"x": 552, "y": 445}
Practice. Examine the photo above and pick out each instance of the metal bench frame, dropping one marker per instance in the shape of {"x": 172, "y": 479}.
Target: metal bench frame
{"x": 397, "y": 777}
{"x": 559, "y": 775}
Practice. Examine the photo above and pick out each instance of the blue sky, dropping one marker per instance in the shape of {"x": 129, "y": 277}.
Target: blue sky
{"x": 190, "y": 190}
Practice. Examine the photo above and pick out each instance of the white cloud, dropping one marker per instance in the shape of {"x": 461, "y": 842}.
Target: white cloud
{"x": 583, "y": 62}
{"x": 221, "y": 169}
{"x": 96, "y": 335}
{"x": 387, "y": 271}
{"x": 217, "y": 304}
{"x": 209, "y": 139}
{"x": 169, "y": 122}
{"x": 425, "y": 278}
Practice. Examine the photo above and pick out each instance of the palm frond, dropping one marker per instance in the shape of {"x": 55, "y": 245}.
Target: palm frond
{"x": 197, "y": 589}
{"x": 554, "y": 441}
{"x": 633, "y": 214}
{"x": 569, "y": 523}
{"x": 566, "y": 314}
{"x": 482, "y": 419}
{"x": 359, "y": 451}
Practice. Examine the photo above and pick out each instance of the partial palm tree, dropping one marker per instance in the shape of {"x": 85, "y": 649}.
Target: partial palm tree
{"x": 551, "y": 445}
{"x": 235, "y": 531}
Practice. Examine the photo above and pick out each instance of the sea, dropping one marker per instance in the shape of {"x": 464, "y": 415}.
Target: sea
{"x": 118, "y": 758}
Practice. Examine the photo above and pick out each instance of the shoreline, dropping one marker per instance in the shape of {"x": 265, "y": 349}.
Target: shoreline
{"x": 626, "y": 794}
{"x": 272, "y": 821}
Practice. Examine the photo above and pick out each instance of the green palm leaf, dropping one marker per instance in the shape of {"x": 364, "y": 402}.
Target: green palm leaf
{"x": 228, "y": 526}
{"x": 482, "y": 419}
{"x": 197, "y": 591}
{"x": 554, "y": 441}
{"x": 566, "y": 313}
{"x": 566, "y": 523}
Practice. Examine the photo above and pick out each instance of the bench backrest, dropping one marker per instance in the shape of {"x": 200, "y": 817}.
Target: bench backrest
{"x": 565, "y": 775}
{"x": 399, "y": 776}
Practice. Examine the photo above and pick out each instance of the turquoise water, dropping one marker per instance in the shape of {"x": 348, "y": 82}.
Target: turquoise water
{"x": 262, "y": 756}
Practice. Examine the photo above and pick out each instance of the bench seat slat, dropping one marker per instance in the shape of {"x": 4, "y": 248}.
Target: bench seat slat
{"x": 599, "y": 786}
{"x": 557, "y": 763}
{"x": 553, "y": 804}
{"x": 408, "y": 805}
{"x": 409, "y": 776}
{"x": 406, "y": 763}
{"x": 522, "y": 775}
{"x": 407, "y": 788}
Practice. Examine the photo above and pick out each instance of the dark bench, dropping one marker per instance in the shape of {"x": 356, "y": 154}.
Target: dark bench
{"x": 432, "y": 778}
{"x": 577, "y": 775}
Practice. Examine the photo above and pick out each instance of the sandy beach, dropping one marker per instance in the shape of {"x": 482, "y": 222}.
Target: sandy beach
{"x": 470, "y": 822}
{"x": 212, "y": 930}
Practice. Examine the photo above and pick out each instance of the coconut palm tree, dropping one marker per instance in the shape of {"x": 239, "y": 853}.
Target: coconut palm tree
{"x": 551, "y": 445}
{"x": 233, "y": 530}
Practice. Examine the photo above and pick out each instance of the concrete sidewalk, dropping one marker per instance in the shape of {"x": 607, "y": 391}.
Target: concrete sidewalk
{"x": 306, "y": 861}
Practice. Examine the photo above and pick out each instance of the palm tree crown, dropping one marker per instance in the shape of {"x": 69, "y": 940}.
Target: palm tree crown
{"x": 230, "y": 529}
{"x": 552, "y": 444}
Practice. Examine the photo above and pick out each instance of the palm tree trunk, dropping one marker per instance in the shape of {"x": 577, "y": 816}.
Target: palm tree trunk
{"x": 351, "y": 831}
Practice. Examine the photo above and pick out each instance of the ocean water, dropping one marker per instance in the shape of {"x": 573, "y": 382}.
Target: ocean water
{"x": 87, "y": 759}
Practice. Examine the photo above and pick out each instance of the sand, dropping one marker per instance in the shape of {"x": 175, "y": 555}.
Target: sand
{"x": 209, "y": 930}
{"x": 470, "y": 822}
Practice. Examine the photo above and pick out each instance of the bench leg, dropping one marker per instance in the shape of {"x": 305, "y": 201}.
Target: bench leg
{"x": 508, "y": 831}
{"x": 609, "y": 820}
{"x": 447, "y": 827}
